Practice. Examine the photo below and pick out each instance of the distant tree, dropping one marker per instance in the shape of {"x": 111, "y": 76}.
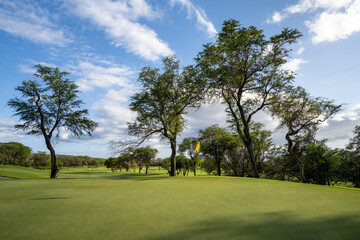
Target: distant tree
{"x": 183, "y": 165}
{"x": 301, "y": 113}
{"x": 244, "y": 70}
{"x": 126, "y": 160}
{"x": 349, "y": 160}
{"x": 320, "y": 163}
{"x": 111, "y": 163}
{"x": 166, "y": 164}
{"x": 215, "y": 143}
{"x": 14, "y": 153}
{"x": 188, "y": 146}
{"x": 162, "y": 102}
{"x": 40, "y": 159}
{"x": 47, "y": 106}
{"x": 144, "y": 156}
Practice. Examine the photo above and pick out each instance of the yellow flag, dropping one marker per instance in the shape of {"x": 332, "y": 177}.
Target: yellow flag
{"x": 197, "y": 147}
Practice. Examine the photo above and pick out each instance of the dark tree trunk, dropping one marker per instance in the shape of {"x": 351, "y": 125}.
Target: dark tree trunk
{"x": 54, "y": 167}
{"x": 249, "y": 147}
{"x": 296, "y": 157}
{"x": 219, "y": 168}
{"x": 173, "y": 158}
{"x": 140, "y": 168}
{"x": 146, "y": 169}
{"x": 195, "y": 168}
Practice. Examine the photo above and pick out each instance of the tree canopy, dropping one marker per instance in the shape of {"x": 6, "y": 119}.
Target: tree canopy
{"x": 162, "y": 102}
{"x": 48, "y": 105}
{"x": 244, "y": 69}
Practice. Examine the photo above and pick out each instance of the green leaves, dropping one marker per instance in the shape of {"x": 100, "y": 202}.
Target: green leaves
{"x": 164, "y": 98}
{"x": 49, "y": 104}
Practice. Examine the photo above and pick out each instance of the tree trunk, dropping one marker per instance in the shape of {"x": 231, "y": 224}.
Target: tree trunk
{"x": 219, "y": 168}
{"x": 140, "y": 168}
{"x": 146, "y": 169}
{"x": 296, "y": 157}
{"x": 54, "y": 167}
{"x": 195, "y": 168}
{"x": 173, "y": 158}
{"x": 249, "y": 147}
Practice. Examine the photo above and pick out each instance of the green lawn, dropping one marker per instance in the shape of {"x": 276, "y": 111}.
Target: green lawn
{"x": 98, "y": 204}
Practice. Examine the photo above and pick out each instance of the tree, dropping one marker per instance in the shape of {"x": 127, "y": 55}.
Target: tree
{"x": 49, "y": 105}
{"x": 301, "y": 113}
{"x": 183, "y": 165}
{"x": 111, "y": 163}
{"x": 188, "y": 146}
{"x": 144, "y": 156}
{"x": 349, "y": 160}
{"x": 320, "y": 163}
{"x": 216, "y": 142}
{"x": 244, "y": 69}
{"x": 14, "y": 153}
{"x": 40, "y": 159}
{"x": 162, "y": 102}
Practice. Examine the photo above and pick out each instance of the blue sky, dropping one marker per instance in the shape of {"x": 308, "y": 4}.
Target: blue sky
{"x": 104, "y": 44}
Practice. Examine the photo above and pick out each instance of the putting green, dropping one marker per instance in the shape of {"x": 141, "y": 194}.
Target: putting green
{"x": 98, "y": 204}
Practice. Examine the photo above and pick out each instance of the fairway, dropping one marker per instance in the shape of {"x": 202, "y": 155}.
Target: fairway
{"x": 99, "y": 204}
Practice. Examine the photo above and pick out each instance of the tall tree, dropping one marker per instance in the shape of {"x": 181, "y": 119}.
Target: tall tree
{"x": 48, "y": 105}
{"x": 301, "y": 113}
{"x": 244, "y": 69}
{"x": 188, "y": 146}
{"x": 216, "y": 142}
{"x": 162, "y": 102}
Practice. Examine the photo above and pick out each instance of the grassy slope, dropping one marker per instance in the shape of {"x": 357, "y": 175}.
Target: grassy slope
{"x": 97, "y": 204}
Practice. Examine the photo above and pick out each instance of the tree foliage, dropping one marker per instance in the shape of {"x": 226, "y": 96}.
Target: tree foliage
{"x": 244, "y": 69}
{"x": 301, "y": 113}
{"x": 188, "y": 146}
{"x": 50, "y": 104}
{"x": 162, "y": 102}
{"x": 215, "y": 143}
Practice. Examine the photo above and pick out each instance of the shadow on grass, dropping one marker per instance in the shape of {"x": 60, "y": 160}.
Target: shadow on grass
{"x": 137, "y": 176}
{"x": 49, "y": 198}
{"x": 277, "y": 225}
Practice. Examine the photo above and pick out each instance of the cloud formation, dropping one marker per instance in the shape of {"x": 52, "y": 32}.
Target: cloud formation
{"x": 334, "y": 20}
{"x": 103, "y": 75}
{"x": 119, "y": 20}
{"x": 7, "y": 130}
{"x": 27, "y": 20}
{"x": 203, "y": 23}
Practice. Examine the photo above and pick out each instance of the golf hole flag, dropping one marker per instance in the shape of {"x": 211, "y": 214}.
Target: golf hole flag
{"x": 197, "y": 147}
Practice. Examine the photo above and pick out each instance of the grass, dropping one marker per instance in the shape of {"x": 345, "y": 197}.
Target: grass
{"x": 99, "y": 204}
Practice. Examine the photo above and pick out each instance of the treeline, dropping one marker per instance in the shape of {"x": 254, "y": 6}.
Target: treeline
{"x": 14, "y": 153}
{"x": 223, "y": 153}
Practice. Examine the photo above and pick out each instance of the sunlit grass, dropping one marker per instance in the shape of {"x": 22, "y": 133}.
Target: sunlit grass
{"x": 98, "y": 204}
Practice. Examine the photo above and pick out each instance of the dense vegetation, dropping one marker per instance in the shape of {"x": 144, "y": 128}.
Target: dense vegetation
{"x": 14, "y": 153}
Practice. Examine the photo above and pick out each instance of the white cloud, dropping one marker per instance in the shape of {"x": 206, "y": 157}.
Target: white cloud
{"x": 276, "y": 17}
{"x": 335, "y": 25}
{"x": 119, "y": 21}
{"x": 203, "y": 23}
{"x": 105, "y": 75}
{"x": 300, "y": 51}
{"x": 8, "y": 132}
{"x": 293, "y": 64}
{"x": 339, "y": 129}
{"x": 25, "y": 19}
{"x": 334, "y": 20}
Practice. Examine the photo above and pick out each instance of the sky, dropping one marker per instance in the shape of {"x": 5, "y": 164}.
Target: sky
{"x": 104, "y": 44}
